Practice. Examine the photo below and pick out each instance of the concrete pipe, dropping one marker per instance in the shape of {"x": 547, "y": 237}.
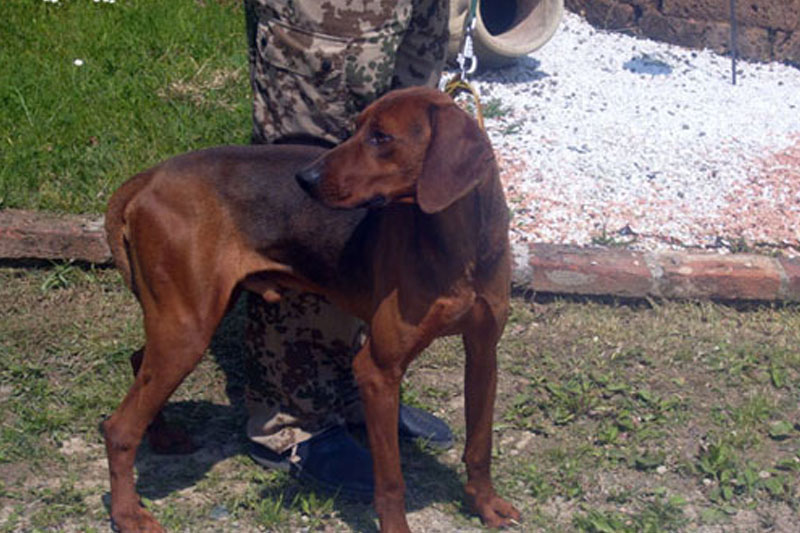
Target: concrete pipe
{"x": 506, "y": 29}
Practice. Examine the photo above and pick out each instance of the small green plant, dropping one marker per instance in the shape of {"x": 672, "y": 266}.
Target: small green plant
{"x": 270, "y": 512}
{"x": 494, "y": 108}
{"x": 512, "y": 128}
{"x": 781, "y": 430}
{"x": 597, "y": 521}
{"x": 649, "y": 460}
{"x": 577, "y": 397}
{"x": 611, "y": 240}
{"x": 316, "y": 508}
{"x": 718, "y": 463}
{"x": 61, "y": 276}
{"x": 536, "y": 483}
{"x": 656, "y": 514}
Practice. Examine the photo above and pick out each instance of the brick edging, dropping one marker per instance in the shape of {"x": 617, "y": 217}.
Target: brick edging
{"x": 545, "y": 268}
{"x": 560, "y": 269}
{"x": 41, "y": 235}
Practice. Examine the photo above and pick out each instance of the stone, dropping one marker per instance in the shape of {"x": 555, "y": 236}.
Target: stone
{"x": 773, "y": 14}
{"x": 769, "y": 30}
{"x": 685, "y": 32}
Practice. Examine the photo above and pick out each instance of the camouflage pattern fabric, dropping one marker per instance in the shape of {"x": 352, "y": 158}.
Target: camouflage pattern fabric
{"x": 314, "y": 65}
{"x": 300, "y": 380}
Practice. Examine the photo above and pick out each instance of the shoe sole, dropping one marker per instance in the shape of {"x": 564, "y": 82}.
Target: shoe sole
{"x": 275, "y": 465}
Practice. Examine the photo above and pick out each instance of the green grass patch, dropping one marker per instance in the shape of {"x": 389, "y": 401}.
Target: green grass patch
{"x": 609, "y": 418}
{"x": 157, "y": 78}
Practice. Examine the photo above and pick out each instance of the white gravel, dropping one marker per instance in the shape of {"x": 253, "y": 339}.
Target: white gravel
{"x": 607, "y": 136}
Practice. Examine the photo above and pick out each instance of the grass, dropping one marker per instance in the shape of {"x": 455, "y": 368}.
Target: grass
{"x": 158, "y": 78}
{"x": 612, "y": 418}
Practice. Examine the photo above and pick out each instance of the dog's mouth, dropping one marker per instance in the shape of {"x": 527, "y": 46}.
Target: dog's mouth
{"x": 374, "y": 203}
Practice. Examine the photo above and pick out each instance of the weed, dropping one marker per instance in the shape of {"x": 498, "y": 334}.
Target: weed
{"x": 535, "y": 482}
{"x": 512, "y": 128}
{"x": 657, "y": 514}
{"x": 270, "y": 512}
{"x": 781, "y": 430}
{"x": 611, "y": 240}
{"x": 596, "y": 521}
{"x": 494, "y": 108}
{"x": 314, "y": 507}
{"x": 60, "y": 276}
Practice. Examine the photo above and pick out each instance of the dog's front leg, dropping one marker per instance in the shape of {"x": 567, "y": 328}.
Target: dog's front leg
{"x": 480, "y": 383}
{"x": 379, "y": 383}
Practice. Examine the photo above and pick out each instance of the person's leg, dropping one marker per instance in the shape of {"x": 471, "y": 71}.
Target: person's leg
{"x": 297, "y": 98}
{"x": 299, "y": 351}
{"x": 423, "y": 51}
{"x": 298, "y": 368}
{"x": 300, "y": 389}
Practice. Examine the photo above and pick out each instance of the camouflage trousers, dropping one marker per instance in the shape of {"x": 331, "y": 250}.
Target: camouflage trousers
{"x": 314, "y": 65}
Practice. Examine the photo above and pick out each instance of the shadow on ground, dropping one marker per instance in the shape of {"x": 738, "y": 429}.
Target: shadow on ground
{"x": 218, "y": 431}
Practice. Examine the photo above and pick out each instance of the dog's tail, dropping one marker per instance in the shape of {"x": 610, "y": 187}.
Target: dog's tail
{"x": 116, "y": 225}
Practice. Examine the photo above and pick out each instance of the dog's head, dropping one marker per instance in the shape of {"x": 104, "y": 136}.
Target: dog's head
{"x": 411, "y": 145}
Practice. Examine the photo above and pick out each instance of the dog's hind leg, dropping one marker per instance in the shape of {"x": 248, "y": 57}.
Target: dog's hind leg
{"x": 182, "y": 309}
{"x": 175, "y": 344}
{"x": 164, "y": 438}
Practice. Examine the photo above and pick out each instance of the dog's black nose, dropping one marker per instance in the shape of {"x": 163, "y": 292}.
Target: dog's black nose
{"x": 308, "y": 178}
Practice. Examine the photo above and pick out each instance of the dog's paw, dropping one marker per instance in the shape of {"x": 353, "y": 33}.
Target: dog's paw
{"x": 138, "y": 521}
{"x": 495, "y": 512}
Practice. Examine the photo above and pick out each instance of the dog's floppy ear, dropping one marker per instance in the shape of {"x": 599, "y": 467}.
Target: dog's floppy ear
{"x": 458, "y": 156}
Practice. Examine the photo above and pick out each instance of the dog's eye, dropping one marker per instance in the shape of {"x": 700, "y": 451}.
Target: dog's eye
{"x": 377, "y": 138}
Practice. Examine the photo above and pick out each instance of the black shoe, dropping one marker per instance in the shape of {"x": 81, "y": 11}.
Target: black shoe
{"x": 418, "y": 424}
{"x": 332, "y": 460}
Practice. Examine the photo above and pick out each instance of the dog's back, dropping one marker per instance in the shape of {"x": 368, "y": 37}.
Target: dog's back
{"x": 276, "y": 216}
{"x": 257, "y": 186}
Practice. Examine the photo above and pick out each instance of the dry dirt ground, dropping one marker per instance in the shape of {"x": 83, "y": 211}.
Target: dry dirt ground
{"x": 611, "y": 416}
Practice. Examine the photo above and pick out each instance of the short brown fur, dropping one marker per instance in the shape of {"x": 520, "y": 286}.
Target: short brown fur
{"x": 434, "y": 260}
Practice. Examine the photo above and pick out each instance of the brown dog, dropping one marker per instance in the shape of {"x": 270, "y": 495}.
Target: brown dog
{"x": 433, "y": 260}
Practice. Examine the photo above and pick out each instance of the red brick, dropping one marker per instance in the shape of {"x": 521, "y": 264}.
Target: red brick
{"x": 35, "y": 235}
{"x": 685, "y": 32}
{"x": 607, "y": 14}
{"x": 773, "y": 14}
{"x": 590, "y": 271}
{"x": 787, "y": 47}
{"x": 790, "y": 290}
{"x": 727, "y": 277}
